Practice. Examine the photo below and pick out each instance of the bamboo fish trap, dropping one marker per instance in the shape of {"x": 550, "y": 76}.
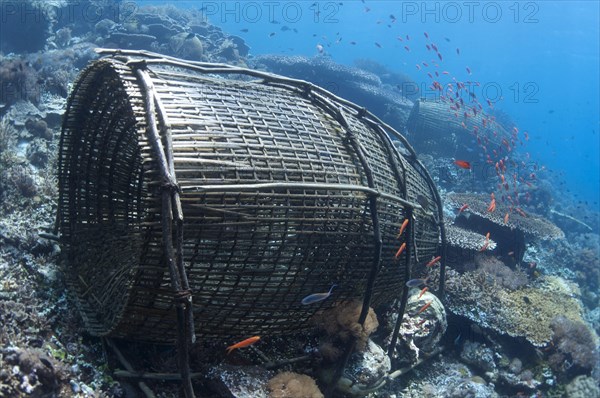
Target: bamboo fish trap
{"x": 218, "y": 197}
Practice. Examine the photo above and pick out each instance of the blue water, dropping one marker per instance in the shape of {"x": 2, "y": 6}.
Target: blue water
{"x": 538, "y": 61}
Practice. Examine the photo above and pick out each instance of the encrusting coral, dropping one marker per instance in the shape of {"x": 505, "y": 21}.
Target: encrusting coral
{"x": 293, "y": 385}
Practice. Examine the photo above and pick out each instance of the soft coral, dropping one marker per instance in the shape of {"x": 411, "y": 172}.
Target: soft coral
{"x": 575, "y": 347}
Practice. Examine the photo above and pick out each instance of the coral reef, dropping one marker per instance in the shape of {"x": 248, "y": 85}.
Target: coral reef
{"x": 530, "y": 224}
{"x": 478, "y": 355}
{"x": 463, "y": 244}
{"x": 446, "y": 378}
{"x": 463, "y": 239}
{"x": 171, "y": 31}
{"x": 492, "y": 362}
{"x": 292, "y": 385}
{"x": 527, "y": 312}
{"x": 43, "y": 353}
{"x": 512, "y": 236}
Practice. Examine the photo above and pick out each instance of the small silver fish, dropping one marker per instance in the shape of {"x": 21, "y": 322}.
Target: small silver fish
{"x": 416, "y": 282}
{"x": 316, "y": 297}
{"x": 422, "y": 200}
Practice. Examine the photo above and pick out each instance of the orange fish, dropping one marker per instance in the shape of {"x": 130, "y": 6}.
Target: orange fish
{"x": 423, "y": 308}
{"x": 506, "y": 218}
{"x": 399, "y": 252}
{"x": 242, "y": 344}
{"x": 485, "y": 246}
{"x": 423, "y": 292}
{"x": 433, "y": 261}
{"x": 492, "y": 206}
{"x": 402, "y": 228}
{"x": 521, "y": 212}
{"x": 463, "y": 208}
{"x": 463, "y": 164}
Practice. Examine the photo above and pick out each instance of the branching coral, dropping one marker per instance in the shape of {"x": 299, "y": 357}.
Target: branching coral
{"x": 293, "y": 385}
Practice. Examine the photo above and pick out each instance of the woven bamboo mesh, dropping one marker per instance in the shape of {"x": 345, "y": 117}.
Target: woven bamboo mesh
{"x": 285, "y": 190}
{"x": 439, "y": 128}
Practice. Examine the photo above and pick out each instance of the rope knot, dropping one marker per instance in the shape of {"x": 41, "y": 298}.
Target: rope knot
{"x": 183, "y": 296}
